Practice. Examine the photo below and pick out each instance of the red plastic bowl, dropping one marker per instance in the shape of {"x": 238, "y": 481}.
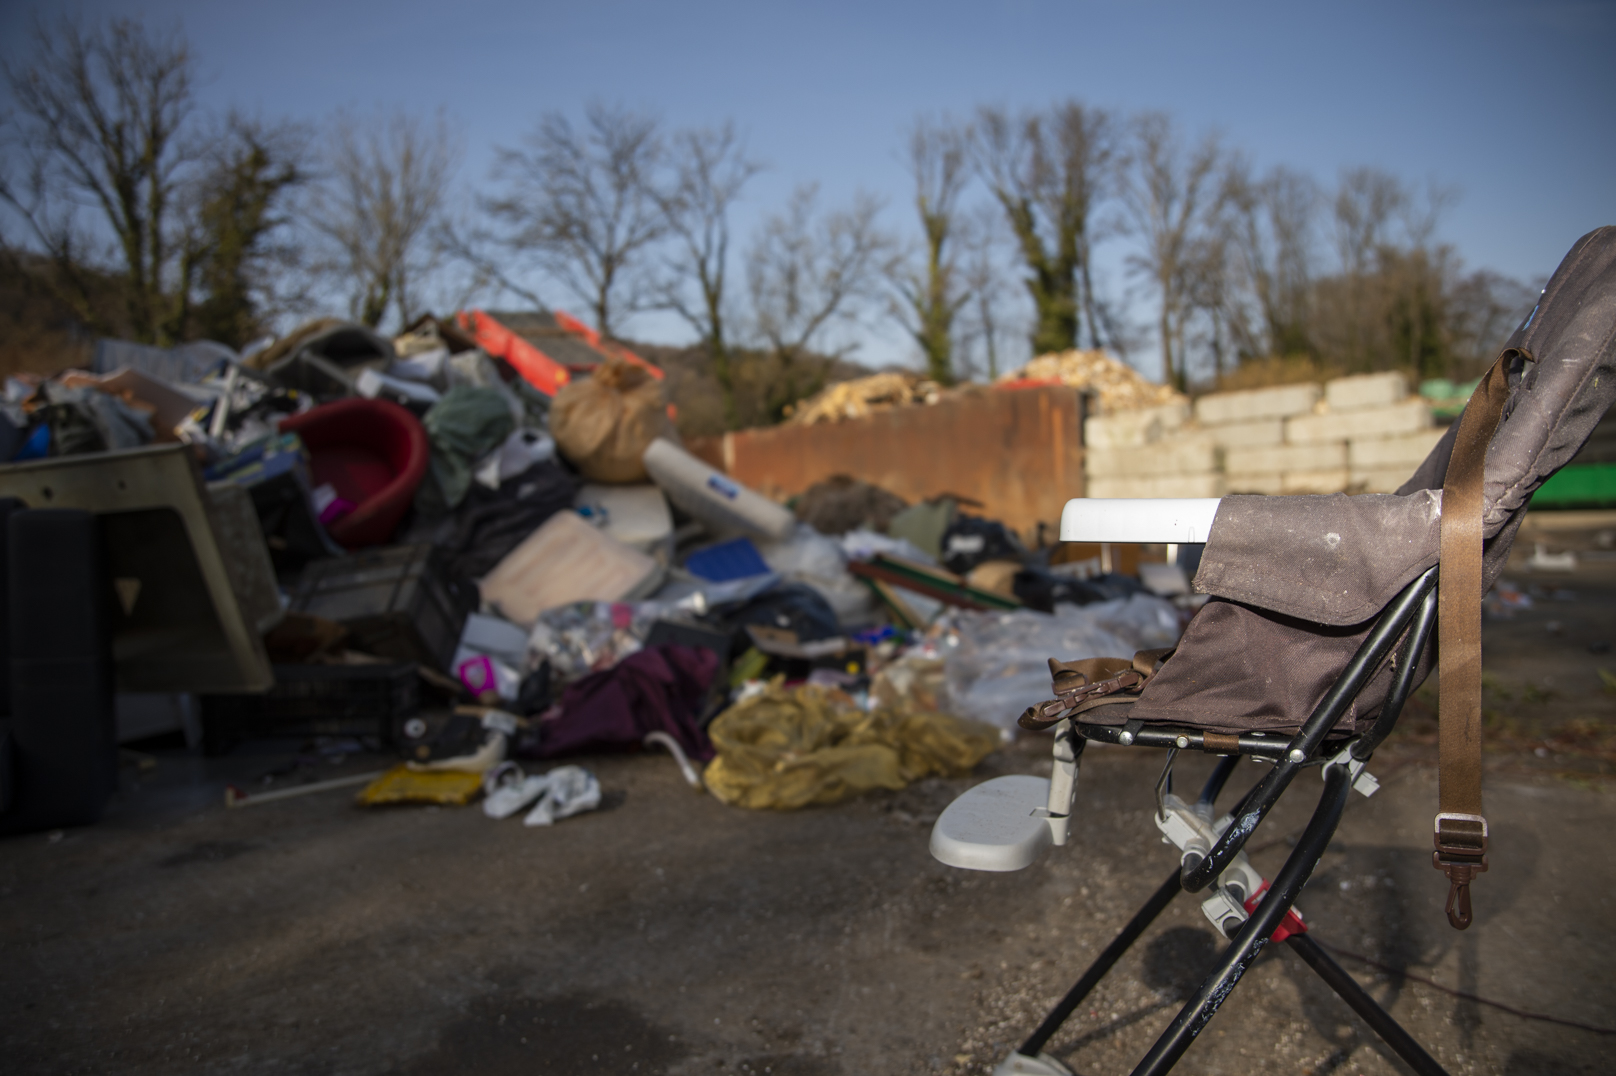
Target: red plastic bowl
{"x": 373, "y": 453}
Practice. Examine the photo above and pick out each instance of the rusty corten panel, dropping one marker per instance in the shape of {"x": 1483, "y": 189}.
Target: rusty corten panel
{"x": 1018, "y": 451}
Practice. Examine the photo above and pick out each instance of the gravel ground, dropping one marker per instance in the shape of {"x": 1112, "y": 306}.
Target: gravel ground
{"x": 669, "y": 934}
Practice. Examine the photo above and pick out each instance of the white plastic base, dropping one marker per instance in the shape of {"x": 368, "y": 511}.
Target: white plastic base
{"x": 1022, "y": 1065}
{"x": 1000, "y": 825}
{"x": 1181, "y": 520}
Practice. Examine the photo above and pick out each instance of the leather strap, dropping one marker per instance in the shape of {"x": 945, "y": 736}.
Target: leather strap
{"x": 1081, "y": 686}
{"x": 1461, "y": 831}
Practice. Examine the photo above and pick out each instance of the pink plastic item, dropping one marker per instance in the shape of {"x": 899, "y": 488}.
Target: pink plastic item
{"x": 478, "y": 674}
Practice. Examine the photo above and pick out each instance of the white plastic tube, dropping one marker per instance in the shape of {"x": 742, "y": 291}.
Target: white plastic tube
{"x": 1183, "y": 520}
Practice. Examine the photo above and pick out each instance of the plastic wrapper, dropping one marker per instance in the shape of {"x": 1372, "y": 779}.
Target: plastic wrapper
{"x": 811, "y": 558}
{"x": 586, "y": 637}
{"x": 784, "y": 749}
{"x": 998, "y": 663}
{"x": 864, "y": 545}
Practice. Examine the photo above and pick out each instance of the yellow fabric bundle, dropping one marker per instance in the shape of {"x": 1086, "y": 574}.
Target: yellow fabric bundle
{"x": 787, "y": 749}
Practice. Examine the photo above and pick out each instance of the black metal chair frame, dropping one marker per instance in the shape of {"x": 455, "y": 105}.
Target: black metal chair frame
{"x": 1412, "y": 613}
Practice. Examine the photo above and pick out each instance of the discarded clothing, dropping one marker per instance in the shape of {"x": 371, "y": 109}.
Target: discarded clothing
{"x": 662, "y": 688}
{"x": 491, "y": 522}
{"x": 463, "y": 427}
{"x": 794, "y": 607}
{"x": 785, "y": 749}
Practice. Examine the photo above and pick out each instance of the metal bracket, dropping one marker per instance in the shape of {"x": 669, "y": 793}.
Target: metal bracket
{"x": 1362, "y": 780}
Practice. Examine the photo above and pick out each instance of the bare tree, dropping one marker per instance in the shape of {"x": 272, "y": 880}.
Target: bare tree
{"x": 987, "y": 323}
{"x": 711, "y": 167}
{"x": 101, "y": 122}
{"x": 1048, "y": 174}
{"x": 582, "y": 205}
{"x": 1366, "y": 203}
{"x": 806, "y": 272}
{"x": 1271, "y": 225}
{"x": 385, "y": 184}
{"x": 1170, "y": 195}
{"x": 930, "y": 294}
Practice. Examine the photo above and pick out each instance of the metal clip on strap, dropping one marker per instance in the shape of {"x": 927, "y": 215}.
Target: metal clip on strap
{"x": 1461, "y": 853}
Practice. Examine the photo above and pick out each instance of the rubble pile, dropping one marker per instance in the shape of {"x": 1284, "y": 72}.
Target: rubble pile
{"x": 450, "y": 546}
{"x": 1117, "y": 386}
{"x": 864, "y": 396}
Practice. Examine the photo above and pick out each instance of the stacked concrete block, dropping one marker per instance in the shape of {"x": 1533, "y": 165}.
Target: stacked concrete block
{"x": 1187, "y": 453}
{"x": 1364, "y": 391}
{"x": 1382, "y": 465}
{"x": 1151, "y": 453}
{"x": 1409, "y": 416}
{"x": 1209, "y": 484}
{"x": 1263, "y": 433}
{"x": 1353, "y": 434}
{"x": 1252, "y": 405}
{"x": 1131, "y": 428}
{"x": 1281, "y": 458}
{"x": 1250, "y": 425}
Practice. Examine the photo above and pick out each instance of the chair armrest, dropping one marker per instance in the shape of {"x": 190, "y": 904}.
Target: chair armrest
{"x": 1185, "y": 520}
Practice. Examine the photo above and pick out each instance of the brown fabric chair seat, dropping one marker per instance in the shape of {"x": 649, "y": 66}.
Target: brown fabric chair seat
{"x": 1298, "y": 581}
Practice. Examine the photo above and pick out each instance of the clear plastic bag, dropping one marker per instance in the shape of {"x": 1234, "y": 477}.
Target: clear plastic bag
{"x": 998, "y": 663}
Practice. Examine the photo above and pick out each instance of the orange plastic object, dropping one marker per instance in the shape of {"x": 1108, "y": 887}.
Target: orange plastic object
{"x": 577, "y": 328}
{"x": 536, "y": 368}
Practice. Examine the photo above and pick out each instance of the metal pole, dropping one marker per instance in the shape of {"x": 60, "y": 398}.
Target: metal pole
{"x": 1365, "y": 1006}
{"x": 1258, "y": 929}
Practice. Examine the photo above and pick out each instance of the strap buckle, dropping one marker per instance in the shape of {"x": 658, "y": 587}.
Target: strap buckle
{"x": 1461, "y": 853}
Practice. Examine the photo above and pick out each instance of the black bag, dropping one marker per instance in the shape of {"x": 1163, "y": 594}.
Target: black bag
{"x": 971, "y": 540}
{"x": 490, "y": 523}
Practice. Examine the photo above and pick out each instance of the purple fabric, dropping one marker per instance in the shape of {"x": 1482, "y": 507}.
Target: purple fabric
{"x": 658, "y": 689}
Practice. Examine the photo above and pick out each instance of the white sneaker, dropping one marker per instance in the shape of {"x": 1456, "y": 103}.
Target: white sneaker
{"x": 507, "y": 799}
{"x": 572, "y": 790}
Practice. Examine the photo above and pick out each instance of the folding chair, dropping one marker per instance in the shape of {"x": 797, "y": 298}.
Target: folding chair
{"x": 1325, "y": 612}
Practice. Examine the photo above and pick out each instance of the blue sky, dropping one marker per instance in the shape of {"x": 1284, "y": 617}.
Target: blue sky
{"x": 1514, "y": 104}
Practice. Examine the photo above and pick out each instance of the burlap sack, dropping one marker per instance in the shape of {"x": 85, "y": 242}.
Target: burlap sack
{"x": 602, "y": 424}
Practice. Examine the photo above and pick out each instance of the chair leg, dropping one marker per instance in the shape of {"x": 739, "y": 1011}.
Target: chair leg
{"x": 1257, "y": 930}
{"x": 1158, "y": 901}
{"x": 1365, "y": 1006}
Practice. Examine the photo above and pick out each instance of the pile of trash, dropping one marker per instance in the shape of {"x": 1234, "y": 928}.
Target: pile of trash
{"x": 1116, "y": 385}
{"x": 491, "y": 562}
{"x": 864, "y": 396}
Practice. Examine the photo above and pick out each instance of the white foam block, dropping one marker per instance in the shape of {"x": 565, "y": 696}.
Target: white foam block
{"x": 1185, "y": 520}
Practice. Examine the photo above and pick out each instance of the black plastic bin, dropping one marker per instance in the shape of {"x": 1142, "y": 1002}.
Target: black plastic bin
{"x": 317, "y": 700}
{"x": 396, "y": 602}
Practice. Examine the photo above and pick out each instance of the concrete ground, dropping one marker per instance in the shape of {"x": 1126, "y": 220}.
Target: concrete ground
{"x": 670, "y": 934}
